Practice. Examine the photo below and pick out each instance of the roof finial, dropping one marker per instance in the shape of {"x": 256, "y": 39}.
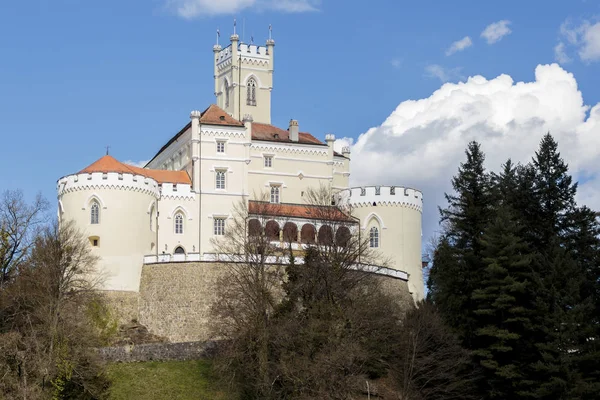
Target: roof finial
{"x": 270, "y": 32}
{"x": 234, "y": 25}
{"x": 107, "y": 148}
{"x": 218, "y": 36}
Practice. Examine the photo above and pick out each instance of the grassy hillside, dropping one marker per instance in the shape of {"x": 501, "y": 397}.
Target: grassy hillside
{"x": 176, "y": 380}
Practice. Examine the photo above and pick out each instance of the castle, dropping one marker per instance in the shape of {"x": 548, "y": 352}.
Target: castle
{"x": 166, "y": 213}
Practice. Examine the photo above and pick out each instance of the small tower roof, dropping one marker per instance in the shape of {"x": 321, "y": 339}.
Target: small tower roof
{"x": 108, "y": 164}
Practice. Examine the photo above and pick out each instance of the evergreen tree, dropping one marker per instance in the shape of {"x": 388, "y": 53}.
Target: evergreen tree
{"x": 504, "y": 307}
{"x": 457, "y": 265}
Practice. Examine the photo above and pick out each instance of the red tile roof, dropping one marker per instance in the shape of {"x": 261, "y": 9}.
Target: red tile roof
{"x": 215, "y": 115}
{"x": 275, "y": 134}
{"x": 297, "y": 211}
{"x": 110, "y": 164}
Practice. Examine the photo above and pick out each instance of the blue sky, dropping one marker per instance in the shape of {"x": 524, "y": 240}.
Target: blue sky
{"x": 78, "y": 75}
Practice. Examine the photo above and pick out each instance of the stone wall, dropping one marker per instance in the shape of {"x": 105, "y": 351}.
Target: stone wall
{"x": 175, "y": 299}
{"x": 156, "y": 352}
{"x": 125, "y": 305}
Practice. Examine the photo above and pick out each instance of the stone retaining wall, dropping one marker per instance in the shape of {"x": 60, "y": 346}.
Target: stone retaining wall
{"x": 175, "y": 299}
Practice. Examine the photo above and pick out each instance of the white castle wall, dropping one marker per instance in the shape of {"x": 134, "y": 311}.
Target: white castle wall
{"x": 396, "y": 212}
{"x": 124, "y": 233}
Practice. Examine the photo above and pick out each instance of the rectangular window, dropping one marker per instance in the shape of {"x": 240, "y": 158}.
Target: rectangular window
{"x": 219, "y": 226}
{"x": 220, "y": 179}
{"x": 268, "y": 161}
{"x": 275, "y": 194}
{"x": 220, "y": 146}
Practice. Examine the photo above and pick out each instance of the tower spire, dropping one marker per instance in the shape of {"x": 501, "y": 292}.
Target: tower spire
{"x": 218, "y": 36}
{"x": 234, "y": 26}
{"x": 270, "y": 32}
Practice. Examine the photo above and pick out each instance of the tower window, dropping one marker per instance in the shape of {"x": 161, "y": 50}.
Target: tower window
{"x": 219, "y": 226}
{"x": 179, "y": 224}
{"x": 275, "y": 194}
{"x": 220, "y": 180}
{"x": 374, "y": 237}
{"x": 268, "y": 161}
{"x": 251, "y": 92}
{"x": 226, "y": 90}
{"x": 95, "y": 213}
{"x": 220, "y": 146}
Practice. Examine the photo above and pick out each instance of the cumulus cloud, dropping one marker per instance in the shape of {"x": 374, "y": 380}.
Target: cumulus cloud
{"x": 459, "y": 45}
{"x": 560, "y": 53}
{"x": 197, "y": 8}
{"x": 496, "y": 31}
{"x": 442, "y": 73}
{"x": 584, "y": 38}
{"x": 422, "y": 142}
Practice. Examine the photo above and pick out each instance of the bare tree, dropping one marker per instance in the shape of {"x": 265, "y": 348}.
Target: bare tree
{"x": 19, "y": 224}
{"x": 321, "y": 332}
{"x": 428, "y": 361}
{"x": 47, "y": 329}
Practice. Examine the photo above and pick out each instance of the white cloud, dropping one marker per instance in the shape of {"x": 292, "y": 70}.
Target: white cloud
{"x": 442, "y": 73}
{"x": 560, "y": 53}
{"x": 198, "y": 8}
{"x": 496, "y": 31}
{"x": 422, "y": 142}
{"x": 396, "y": 63}
{"x": 585, "y": 38}
{"x": 459, "y": 45}
{"x": 140, "y": 164}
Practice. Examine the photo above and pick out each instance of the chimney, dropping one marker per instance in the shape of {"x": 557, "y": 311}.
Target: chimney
{"x": 293, "y": 130}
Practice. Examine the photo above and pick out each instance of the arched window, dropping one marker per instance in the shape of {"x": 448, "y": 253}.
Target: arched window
{"x": 95, "y": 212}
{"x": 226, "y": 90}
{"x": 179, "y": 224}
{"x": 152, "y": 218}
{"x": 251, "y": 92}
{"x": 374, "y": 237}
{"x": 179, "y": 250}
{"x": 325, "y": 235}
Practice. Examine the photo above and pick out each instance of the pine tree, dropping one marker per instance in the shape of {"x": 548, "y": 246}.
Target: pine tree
{"x": 504, "y": 307}
{"x": 457, "y": 265}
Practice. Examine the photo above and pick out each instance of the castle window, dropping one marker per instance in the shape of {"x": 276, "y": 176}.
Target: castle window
{"x": 179, "y": 224}
{"x": 374, "y": 237}
{"x": 251, "y": 92}
{"x": 268, "y": 161}
{"x": 179, "y": 250}
{"x": 95, "y": 213}
{"x": 94, "y": 241}
{"x": 220, "y": 146}
{"x": 220, "y": 180}
{"x": 219, "y": 226}
{"x": 226, "y": 90}
{"x": 152, "y": 218}
{"x": 275, "y": 194}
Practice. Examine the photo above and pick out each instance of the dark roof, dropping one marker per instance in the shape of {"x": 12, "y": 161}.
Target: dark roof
{"x": 298, "y": 211}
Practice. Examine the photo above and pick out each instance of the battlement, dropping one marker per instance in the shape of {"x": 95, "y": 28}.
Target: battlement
{"x": 177, "y": 190}
{"x": 115, "y": 180}
{"x": 380, "y": 195}
{"x": 244, "y": 50}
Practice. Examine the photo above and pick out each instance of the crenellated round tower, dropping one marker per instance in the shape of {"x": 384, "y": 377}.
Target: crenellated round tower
{"x": 390, "y": 217}
{"x": 114, "y": 204}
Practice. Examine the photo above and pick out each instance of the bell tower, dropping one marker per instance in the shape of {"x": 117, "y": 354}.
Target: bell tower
{"x": 244, "y": 78}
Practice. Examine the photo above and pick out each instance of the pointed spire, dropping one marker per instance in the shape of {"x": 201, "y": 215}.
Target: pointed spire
{"x": 234, "y": 26}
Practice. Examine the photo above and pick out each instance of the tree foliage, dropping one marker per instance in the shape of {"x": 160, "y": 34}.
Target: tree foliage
{"x": 516, "y": 275}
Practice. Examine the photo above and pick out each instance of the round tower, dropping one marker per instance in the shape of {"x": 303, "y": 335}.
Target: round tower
{"x": 390, "y": 217}
{"x": 115, "y": 206}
